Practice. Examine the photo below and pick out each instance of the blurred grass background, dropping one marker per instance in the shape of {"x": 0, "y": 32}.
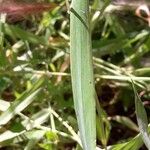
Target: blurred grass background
{"x": 35, "y": 78}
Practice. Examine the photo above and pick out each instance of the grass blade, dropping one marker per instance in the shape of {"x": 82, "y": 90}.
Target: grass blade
{"x": 82, "y": 73}
{"x": 141, "y": 118}
{"x": 21, "y": 103}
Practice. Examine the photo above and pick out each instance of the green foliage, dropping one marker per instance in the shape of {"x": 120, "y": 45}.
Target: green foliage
{"x": 36, "y": 98}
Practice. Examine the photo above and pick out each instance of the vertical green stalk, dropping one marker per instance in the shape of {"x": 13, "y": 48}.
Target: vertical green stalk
{"x": 82, "y": 72}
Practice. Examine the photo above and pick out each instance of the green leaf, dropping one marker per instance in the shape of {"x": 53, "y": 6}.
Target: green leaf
{"x": 34, "y": 134}
{"x": 36, "y": 119}
{"x": 141, "y": 118}
{"x": 82, "y": 73}
{"x": 134, "y": 143}
{"x": 21, "y": 103}
{"x": 102, "y": 124}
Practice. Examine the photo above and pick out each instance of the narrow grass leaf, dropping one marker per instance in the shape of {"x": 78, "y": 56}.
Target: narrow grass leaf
{"x": 9, "y": 135}
{"x": 21, "y": 103}
{"x": 102, "y": 124}
{"x": 141, "y": 118}
{"x": 34, "y": 134}
{"x": 134, "y": 144}
{"x": 82, "y": 73}
{"x": 37, "y": 119}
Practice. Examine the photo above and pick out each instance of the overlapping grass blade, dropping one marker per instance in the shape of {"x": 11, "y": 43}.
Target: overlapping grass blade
{"x": 21, "y": 103}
